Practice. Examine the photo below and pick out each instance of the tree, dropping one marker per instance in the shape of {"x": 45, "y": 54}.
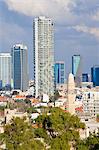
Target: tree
{"x": 61, "y": 127}
{"x": 91, "y": 143}
{"x": 55, "y": 97}
{"x": 82, "y": 147}
{"x": 19, "y": 135}
{"x": 41, "y": 133}
{"x": 31, "y": 110}
{"x": 59, "y": 143}
{"x": 27, "y": 101}
{"x": 97, "y": 117}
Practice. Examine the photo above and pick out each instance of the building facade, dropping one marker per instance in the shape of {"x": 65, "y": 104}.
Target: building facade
{"x": 43, "y": 39}
{"x": 59, "y": 71}
{"x": 20, "y": 67}
{"x": 5, "y": 69}
{"x": 77, "y": 69}
{"x": 85, "y": 77}
{"x": 91, "y": 103}
{"x": 95, "y": 75}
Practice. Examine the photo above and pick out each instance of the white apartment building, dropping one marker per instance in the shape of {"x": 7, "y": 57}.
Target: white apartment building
{"x": 5, "y": 68}
{"x": 43, "y": 39}
{"x": 91, "y": 103}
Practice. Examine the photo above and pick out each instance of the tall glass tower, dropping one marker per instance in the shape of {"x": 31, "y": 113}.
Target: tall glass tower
{"x": 20, "y": 67}
{"x": 59, "y": 72}
{"x": 5, "y": 69}
{"x": 77, "y": 69}
{"x": 43, "y": 39}
{"x": 95, "y": 75}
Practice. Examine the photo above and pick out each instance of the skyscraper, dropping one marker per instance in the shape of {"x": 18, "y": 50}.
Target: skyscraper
{"x": 43, "y": 39}
{"x": 20, "y": 66}
{"x": 59, "y": 72}
{"x": 95, "y": 75}
{"x": 77, "y": 69}
{"x": 5, "y": 69}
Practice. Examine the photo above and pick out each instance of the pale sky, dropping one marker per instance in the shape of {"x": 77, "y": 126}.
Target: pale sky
{"x": 76, "y": 25}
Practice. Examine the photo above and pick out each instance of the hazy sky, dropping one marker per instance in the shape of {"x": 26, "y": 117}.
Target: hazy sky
{"x": 76, "y": 28}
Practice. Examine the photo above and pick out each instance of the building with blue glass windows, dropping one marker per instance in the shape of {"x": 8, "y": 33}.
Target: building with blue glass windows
{"x": 20, "y": 67}
{"x": 85, "y": 77}
{"x": 59, "y": 71}
{"x": 95, "y": 75}
{"x": 77, "y": 69}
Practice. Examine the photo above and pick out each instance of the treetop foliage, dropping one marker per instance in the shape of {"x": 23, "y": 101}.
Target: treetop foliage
{"x": 57, "y": 130}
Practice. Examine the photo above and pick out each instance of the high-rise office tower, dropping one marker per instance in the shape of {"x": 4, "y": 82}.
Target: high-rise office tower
{"x": 20, "y": 67}
{"x": 43, "y": 39}
{"x": 95, "y": 75}
{"x": 5, "y": 69}
{"x": 59, "y": 72}
{"x": 77, "y": 69}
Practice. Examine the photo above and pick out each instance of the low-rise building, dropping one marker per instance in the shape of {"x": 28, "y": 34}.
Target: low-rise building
{"x": 91, "y": 103}
{"x": 9, "y": 114}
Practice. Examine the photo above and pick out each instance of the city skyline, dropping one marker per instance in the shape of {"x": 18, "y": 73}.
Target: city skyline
{"x": 74, "y": 34}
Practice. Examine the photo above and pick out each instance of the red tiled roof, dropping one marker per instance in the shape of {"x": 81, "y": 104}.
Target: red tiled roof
{"x": 20, "y": 96}
{"x": 80, "y": 109}
{"x": 2, "y": 99}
